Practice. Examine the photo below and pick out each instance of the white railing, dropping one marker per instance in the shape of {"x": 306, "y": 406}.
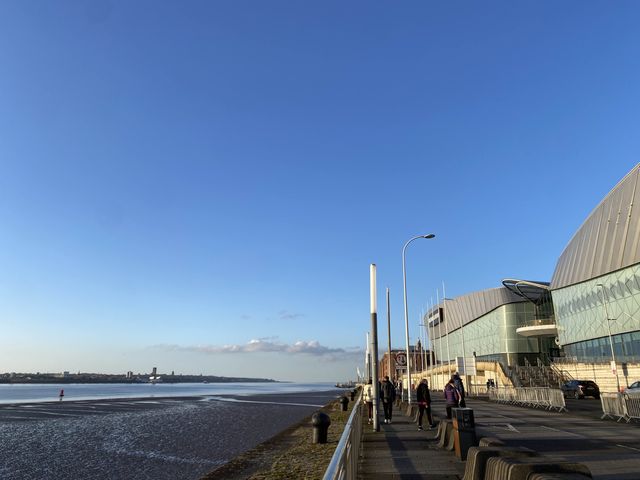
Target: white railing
{"x": 344, "y": 463}
{"x": 547, "y": 398}
{"x": 613, "y": 406}
{"x": 620, "y": 406}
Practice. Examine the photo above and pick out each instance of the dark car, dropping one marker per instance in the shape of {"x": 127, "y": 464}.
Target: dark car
{"x": 580, "y": 389}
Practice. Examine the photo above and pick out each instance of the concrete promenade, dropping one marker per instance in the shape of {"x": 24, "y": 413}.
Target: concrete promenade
{"x": 610, "y": 450}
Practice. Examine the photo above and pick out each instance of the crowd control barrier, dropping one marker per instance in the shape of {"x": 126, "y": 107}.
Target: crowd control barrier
{"x": 547, "y": 398}
{"x": 344, "y": 463}
{"x": 620, "y": 406}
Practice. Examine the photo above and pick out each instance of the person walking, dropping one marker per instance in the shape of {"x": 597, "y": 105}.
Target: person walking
{"x": 451, "y": 396}
{"x": 388, "y": 395}
{"x": 457, "y": 382}
{"x": 61, "y": 394}
{"x": 367, "y": 397}
{"x": 423, "y": 396}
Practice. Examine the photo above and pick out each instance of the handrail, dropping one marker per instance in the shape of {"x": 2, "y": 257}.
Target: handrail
{"x": 344, "y": 463}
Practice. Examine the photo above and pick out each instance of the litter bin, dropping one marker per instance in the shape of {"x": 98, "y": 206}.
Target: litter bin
{"x": 464, "y": 431}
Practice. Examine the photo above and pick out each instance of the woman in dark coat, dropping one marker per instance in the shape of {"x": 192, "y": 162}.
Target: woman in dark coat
{"x": 424, "y": 403}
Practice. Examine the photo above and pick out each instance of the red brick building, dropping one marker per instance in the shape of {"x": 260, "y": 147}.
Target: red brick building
{"x": 420, "y": 359}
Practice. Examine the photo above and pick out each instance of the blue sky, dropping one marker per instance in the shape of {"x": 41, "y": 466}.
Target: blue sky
{"x": 201, "y": 186}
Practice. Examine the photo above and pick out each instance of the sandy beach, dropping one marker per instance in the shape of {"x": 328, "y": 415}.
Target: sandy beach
{"x": 160, "y": 438}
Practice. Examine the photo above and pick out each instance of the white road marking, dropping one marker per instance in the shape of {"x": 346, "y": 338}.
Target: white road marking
{"x": 630, "y": 448}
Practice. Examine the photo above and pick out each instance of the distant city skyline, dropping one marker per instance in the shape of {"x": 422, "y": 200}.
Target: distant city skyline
{"x": 202, "y": 187}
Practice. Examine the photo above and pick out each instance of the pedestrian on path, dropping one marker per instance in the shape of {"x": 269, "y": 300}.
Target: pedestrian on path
{"x": 423, "y": 396}
{"x": 61, "y": 394}
{"x": 388, "y": 395}
{"x": 457, "y": 382}
{"x": 451, "y": 396}
{"x": 367, "y": 397}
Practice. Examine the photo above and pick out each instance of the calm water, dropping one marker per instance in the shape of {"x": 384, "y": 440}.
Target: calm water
{"x": 46, "y": 393}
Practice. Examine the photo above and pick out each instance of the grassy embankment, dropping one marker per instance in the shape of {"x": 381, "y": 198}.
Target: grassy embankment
{"x": 290, "y": 454}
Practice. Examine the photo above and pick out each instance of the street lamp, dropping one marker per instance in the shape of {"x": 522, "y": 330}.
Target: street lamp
{"x": 613, "y": 355}
{"x": 406, "y": 315}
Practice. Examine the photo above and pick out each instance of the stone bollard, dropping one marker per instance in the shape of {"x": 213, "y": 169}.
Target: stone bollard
{"x": 353, "y": 395}
{"x": 344, "y": 401}
{"x": 320, "y": 422}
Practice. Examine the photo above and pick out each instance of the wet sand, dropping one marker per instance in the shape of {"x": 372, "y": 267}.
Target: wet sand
{"x": 159, "y": 438}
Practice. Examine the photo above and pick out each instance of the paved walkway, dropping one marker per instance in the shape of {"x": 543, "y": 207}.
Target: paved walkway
{"x": 399, "y": 451}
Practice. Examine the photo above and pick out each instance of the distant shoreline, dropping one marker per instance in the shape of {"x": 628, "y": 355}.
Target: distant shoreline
{"x": 140, "y": 380}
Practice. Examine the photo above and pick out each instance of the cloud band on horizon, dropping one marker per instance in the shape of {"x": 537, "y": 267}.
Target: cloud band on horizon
{"x": 265, "y": 345}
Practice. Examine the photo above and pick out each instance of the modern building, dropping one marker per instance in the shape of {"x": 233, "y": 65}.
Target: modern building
{"x": 596, "y": 283}
{"x": 589, "y": 312}
{"x": 482, "y": 326}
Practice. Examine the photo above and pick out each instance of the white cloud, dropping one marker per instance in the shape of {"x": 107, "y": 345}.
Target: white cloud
{"x": 270, "y": 345}
{"x": 286, "y": 315}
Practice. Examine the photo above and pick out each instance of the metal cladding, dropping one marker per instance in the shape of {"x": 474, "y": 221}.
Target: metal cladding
{"x": 608, "y": 240}
{"x": 467, "y": 308}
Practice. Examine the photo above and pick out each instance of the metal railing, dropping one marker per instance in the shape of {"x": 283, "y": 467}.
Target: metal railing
{"x": 344, "y": 463}
{"x": 620, "y": 406}
{"x": 547, "y": 398}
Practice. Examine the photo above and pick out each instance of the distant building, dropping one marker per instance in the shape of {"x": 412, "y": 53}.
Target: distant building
{"x": 418, "y": 359}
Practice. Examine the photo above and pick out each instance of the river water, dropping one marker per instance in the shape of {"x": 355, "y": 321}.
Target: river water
{"x": 21, "y": 393}
{"x": 141, "y": 431}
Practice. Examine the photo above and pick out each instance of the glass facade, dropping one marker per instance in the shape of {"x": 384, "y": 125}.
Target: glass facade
{"x": 598, "y": 350}
{"x": 492, "y": 335}
{"x": 581, "y": 311}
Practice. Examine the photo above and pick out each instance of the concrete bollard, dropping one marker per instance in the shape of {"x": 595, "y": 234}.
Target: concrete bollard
{"x": 477, "y": 458}
{"x": 320, "y": 422}
{"x": 344, "y": 401}
{"x": 505, "y": 468}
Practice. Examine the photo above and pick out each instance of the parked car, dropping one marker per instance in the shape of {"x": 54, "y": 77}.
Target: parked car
{"x": 580, "y": 389}
{"x": 633, "y": 388}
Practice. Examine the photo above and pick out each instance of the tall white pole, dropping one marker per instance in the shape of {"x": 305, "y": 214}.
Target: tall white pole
{"x": 613, "y": 354}
{"x": 432, "y": 343}
{"x": 440, "y": 338}
{"x": 464, "y": 350}
{"x": 389, "y": 334}
{"x": 424, "y": 340}
{"x": 374, "y": 344}
{"x": 406, "y": 313}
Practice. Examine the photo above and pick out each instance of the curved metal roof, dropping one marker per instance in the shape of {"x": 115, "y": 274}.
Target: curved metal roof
{"x": 532, "y": 291}
{"x": 608, "y": 240}
{"x": 466, "y": 308}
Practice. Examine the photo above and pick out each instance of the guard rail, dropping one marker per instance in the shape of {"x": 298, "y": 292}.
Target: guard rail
{"x": 547, "y": 398}
{"x": 344, "y": 463}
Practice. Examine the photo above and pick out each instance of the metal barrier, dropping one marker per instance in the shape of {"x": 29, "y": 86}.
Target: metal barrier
{"x": 344, "y": 463}
{"x": 613, "y": 406}
{"x": 632, "y": 404}
{"x": 547, "y": 398}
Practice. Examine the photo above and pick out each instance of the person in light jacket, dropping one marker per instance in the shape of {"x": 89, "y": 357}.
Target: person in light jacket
{"x": 367, "y": 397}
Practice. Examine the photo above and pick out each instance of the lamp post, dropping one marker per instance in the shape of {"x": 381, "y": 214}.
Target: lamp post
{"x": 613, "y": 355}
{"x": 406, "y": 314}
